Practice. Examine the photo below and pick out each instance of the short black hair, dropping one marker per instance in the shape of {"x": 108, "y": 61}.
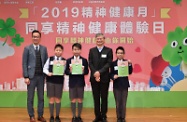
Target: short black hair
{"x": 78, "y": 45}
{"x": 120, "y": 48}
{"x": 59, "y": 45}
{"x": 36, "y": 31}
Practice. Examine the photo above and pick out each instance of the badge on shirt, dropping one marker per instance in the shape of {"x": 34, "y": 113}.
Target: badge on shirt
{"x": 116, "y": 68}
{"x": 103, "y": 55}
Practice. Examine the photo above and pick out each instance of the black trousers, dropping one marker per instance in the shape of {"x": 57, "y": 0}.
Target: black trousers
{"x": 120, "y": 96}
{"x": 100, "y": 96}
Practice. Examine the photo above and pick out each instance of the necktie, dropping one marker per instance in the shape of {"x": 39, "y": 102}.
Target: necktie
{"x": 57, "y": 58}
{"x": 36, "y": 48}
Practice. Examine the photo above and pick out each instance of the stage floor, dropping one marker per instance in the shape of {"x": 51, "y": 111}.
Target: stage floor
{"x": 133, "y": 115}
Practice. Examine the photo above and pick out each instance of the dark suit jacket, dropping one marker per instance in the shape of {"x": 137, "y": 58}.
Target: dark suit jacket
{"x": 120, "y": 82}
{"x": 29, "y": 60}
{"x": 100, "y": 61}
{"x": 76, "y": 80}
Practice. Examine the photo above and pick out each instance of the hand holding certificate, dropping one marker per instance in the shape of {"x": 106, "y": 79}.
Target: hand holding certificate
{"x": 123, "y": 68}
{"x": 58, "y": 67}
{"x": 77, "y": 67}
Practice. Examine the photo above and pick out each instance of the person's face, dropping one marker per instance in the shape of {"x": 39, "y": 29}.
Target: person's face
{"x": 100, "y": 41}
{"x": 58, "y": 52}
{"x": 76, "y": 51}
{"x": 120, "y": 54}
{"x": 36, "y": 38}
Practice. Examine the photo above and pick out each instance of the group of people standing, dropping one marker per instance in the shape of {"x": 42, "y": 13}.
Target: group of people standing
{"x": 37, "y": 67}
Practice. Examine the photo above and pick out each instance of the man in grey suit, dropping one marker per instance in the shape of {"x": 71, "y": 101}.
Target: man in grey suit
{"x": 34, "y": 58}
{"x": 100, "y": 59}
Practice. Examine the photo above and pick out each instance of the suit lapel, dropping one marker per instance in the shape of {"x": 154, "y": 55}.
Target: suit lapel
{"x": 116, "y": 62}
{"x": 97, "y": 55}
{"x": 32, "y": 50}
{"x": 42, "y": 54}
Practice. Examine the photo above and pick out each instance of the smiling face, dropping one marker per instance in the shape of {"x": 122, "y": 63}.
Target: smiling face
{"x": 176, "y": 49}
{"x": 179, "y": 45}
{"x": 36, "y": 38}
{"x": 100, "y": 39}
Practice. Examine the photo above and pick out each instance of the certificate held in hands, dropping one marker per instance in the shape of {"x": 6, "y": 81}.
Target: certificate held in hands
{"x": 123, "y": 69}
{"x": 76, "y": 65}
{"x": 58, "y": 67}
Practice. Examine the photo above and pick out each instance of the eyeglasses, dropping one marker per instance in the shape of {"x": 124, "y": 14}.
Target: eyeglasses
{"x": 36, "y": 37}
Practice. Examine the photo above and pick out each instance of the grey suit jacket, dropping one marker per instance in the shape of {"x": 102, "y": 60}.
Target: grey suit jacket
{"x": 29, "y": 60}
{"x": 100, "y": 62}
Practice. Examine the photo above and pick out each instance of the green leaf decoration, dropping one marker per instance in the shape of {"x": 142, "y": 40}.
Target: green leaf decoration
{"x": 175, "y": 50}
{"x": 177, "y": 1}
{"x": 6, "y": 28}
{"x": 11, "y": 31}
{"x": 10, "y": 22}
{"x": 17, "y": 40}
{"x": 2, "y": 23}
{"x": 3, "y": 33}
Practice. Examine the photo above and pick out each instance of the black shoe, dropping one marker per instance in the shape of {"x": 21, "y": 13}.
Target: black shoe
{"x": 97, "y": 119}
{"x": 119, "y": 120}
{"x": 104, "y": 119}
{"x": 57, "y": 119}
{"x": 52, "y": 119}
{"x": 74, "y": 119}
{"x": 123, "y": 120}
{"x": 79, "y": 119}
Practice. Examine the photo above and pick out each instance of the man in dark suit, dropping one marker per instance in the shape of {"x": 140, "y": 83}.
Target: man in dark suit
{"x": 100, "y": 59}
{"x": 34, "y": 58}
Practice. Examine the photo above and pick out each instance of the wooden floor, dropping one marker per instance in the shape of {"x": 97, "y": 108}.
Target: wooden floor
{"x": 133, "y": 115}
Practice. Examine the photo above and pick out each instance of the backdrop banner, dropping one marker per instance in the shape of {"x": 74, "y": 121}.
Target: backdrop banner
{"x": 153, "y": 33}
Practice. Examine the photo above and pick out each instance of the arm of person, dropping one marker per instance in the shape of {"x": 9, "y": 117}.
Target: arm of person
{"x": 113, "y": 74}
{"x": 46, "y": 55}
{"x": 46, "y": 68}
{"x": 25, "y": 63}
{"x": 130, "y": 68}
{"x": 67, "y": 68}
{"x": 90, "y": 61}
{"x": 86, "y": 70}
